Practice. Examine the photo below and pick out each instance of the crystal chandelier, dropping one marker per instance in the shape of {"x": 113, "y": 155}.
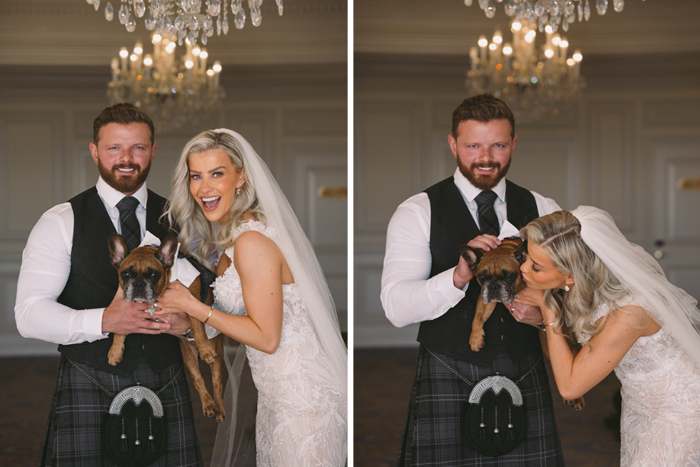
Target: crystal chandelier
{"x": 548, "y": 12}
{"x": 184, "y": 19}
{"x": 535, "y": 82}
{"x": 172, "y": 91}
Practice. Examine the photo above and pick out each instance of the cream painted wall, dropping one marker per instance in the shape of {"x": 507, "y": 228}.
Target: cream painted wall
{"x": 296, "y": 121}
{"x": 622, "y": 148}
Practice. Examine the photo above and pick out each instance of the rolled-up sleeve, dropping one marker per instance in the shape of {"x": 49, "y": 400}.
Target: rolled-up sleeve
{"x": 409, "y": 295}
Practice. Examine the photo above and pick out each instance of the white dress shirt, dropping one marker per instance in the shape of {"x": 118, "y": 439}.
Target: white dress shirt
{"x": 409, "y": 295}
{"x": 46, "y": 262}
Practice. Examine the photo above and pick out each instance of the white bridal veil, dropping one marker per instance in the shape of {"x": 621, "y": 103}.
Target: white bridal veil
{"x": 308, "y": 276}
{"x": 674, "y": 309}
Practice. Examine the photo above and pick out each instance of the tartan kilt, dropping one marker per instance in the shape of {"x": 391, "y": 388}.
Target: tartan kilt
{"x": 434, "y": 436}
{"x": 79, "y": 410}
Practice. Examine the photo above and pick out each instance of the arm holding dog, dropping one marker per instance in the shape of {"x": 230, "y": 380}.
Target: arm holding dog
{"x": 409, "y": 295}
{"x": 259, "y": 263}
{"x": 576, "y": 375}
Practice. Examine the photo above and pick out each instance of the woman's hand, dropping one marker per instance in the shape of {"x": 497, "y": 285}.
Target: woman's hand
{"x": 176, "y": 299}
{"x": 530, "y": 297}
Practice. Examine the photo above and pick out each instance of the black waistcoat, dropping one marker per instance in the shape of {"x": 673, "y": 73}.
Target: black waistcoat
{"x": 93, "y": 282}
{"x": 451, "y": 226}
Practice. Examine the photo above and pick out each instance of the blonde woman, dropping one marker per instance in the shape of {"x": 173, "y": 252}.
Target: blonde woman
{"x": 581, "y": 270}
{"x": 274, "y": 298}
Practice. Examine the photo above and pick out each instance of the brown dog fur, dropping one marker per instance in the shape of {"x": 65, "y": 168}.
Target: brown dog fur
{"x": 498, "y": 272}
{"x": 148, "y": 268}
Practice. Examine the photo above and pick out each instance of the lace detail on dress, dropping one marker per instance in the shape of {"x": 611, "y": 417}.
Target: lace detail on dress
{"x": 302, "y": 416}
{"x": 660, "y": 422}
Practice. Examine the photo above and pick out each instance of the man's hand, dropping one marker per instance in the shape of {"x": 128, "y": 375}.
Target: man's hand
{"x": 122, "y": 317}
{"x": 526, "y": 314}
{"x": 463, "y": 274}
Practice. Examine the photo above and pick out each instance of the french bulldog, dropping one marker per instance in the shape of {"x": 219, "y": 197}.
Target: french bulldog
{"x": 498, "y": 273}
{"x": 144, "y": 273}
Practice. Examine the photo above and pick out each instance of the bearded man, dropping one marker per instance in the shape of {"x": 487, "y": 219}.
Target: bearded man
{"x": 426, "y": 281}
{"x": 68, "y": 293}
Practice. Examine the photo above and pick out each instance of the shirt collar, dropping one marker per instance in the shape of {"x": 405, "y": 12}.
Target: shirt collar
{"x": 112, "y": 196}
{"x": 470, "y": 191}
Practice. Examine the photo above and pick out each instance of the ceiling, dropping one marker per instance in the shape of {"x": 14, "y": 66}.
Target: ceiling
{"x": 36, "y": 33}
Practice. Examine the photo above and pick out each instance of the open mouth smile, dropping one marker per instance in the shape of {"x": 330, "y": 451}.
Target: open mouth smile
{"x": 210, "y": 203}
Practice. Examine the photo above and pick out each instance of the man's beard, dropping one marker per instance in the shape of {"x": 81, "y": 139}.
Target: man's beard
{"x": 483, "y": 182}
{"x": 122, "y": 183}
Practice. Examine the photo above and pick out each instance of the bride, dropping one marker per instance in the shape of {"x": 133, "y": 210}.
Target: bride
{"x": 580, "y": 270}
{"x": 274, "y": 298}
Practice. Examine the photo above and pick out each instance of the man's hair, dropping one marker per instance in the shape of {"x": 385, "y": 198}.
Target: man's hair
{"x": 123, "y": 113}
{"x": 482, "y": 108}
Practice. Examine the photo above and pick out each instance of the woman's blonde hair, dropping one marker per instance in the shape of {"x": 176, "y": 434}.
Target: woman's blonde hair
{"x": 198, "y": 236}
{"x": 559, "y": 234}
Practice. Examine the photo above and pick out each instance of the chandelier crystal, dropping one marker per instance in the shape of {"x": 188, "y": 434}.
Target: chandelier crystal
{"x": 534, "y": 81}
{"x": 185, "y": 19}
{"x": 553, "y": 13}
{"x": 173, "y": 91}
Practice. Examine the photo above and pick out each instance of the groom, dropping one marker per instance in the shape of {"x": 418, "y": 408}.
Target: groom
{"x": 426, "y": 281}
{"x": 68, "y": 293}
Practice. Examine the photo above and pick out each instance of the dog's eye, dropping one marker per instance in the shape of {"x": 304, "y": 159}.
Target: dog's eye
{"x": 508, "y": 275}
{"x": 126, "y": 275}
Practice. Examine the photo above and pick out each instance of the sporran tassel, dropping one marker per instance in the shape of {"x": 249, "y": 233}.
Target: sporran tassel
{"x": 123, "y": 447}
{"x": 496, "y": 432}
{"x": 151, "y": 438}
{"x": 138, "y": 453}
{"x": 511, "y": 431}
{"x": 482, "y": 427}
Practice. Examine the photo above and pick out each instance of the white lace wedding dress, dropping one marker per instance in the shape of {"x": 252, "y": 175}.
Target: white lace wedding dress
{"x": 660, "y": 423}
{"x": 302, "y": 417}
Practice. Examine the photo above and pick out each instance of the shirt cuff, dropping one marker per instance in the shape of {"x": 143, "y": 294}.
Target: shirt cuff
{"x": 446, "y": 286}
{"x": 92, "y": 324}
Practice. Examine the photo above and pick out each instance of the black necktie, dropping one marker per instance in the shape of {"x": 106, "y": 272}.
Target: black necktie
{"x": 487, "y": 215}
{"x": 131, "y": 230}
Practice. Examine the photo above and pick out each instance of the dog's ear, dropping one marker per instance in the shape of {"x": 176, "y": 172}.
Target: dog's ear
{"x": 520, "y": 253}
{"x": 472, "y": 256}
{"x": 117, "y": 249}
{"x": 166, "y": 252}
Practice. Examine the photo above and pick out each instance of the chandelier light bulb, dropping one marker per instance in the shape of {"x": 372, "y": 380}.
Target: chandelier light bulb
{"x": 548, "y": 29}
{"x": 570, "y": 61}
{"x": 530, "y": 36}
{"x": 148, "y": 60}
{"x": 196, "y": 51}
{"x": 556, "y": 40}
{"x": 564, "y": 44}
{"x": 138, "y": 49}
{"x": 170, "y": 48}
{"x": 507, "y": 49}
{"x": 577, "y": 56}
{"x": 483, "y": 42}
{"x": 516, "y": 26}
{"x": 203, "y": 54}
{"x": 134, "y": 57}
{"x": 217, "y": 66}
{"x": 156, "y": 38}
{"x": 497, "y": 37}
{"x": 123, "y": 53}
{"x": 189, "y": 64}
{"x": 549, "y": 53}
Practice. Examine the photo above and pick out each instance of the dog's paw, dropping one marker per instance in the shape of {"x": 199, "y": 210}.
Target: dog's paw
{"x": 115, "y": 356}
{"x": 577, "y": 404}
{"x": 220, "y": 415}
{"x": 207, "y": 352}
{"x": 209, "y": 408}
{"x": 476, "y": 341}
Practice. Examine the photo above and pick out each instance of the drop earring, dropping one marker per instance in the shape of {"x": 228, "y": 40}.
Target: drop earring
{"x": 238, "y": 191}
{"x": 566, "y": 288}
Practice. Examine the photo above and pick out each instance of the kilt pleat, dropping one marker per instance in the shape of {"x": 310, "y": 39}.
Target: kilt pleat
{"x": 80, "y": 409}
{"x": 434, "y": 436}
